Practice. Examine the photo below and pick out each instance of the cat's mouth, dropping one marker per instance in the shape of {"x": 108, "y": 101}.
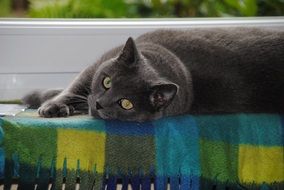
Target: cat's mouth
{"x": 103, "y": 115}
{"x": 98, "y": 114}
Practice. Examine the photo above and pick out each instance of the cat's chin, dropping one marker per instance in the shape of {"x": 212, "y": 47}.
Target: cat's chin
{"x": 96, "y": 114}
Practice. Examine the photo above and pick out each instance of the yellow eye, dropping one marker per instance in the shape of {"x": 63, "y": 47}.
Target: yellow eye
{"x": 107, "y": 82}
{"x": 126, "y": 104}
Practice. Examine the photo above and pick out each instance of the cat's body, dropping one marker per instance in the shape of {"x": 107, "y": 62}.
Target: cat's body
{"x": 171, "y": 72}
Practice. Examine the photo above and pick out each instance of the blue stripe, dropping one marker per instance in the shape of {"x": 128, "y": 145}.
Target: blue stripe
{"x": 174, "y": 183}
{"x": 2, "y": 163}
{"x": 111, "y": 185}
{"x": 135, "y": 182}
{"x": 104, "y": 180}
{"x": 177, "y": 146}
{"x": 115, "y": 127}
{"x": 195, "y": 182}
{"x": 184, "y": 182}
{"x": 125, "y": 181}
{"x": 146, "y": 183}
{"x": 161, "y": 182}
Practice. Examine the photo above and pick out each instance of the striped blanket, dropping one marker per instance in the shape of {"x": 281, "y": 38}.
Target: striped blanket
{"x": 237, "y": 151}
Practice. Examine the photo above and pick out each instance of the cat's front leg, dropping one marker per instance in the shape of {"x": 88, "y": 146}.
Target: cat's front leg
{"x": 55, "y": 109}
{"x": 72, "y": 99}
{"x": 64, "y": 105}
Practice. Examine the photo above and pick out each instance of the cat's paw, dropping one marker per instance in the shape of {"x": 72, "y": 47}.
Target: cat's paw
{"x": 52, "y": 109}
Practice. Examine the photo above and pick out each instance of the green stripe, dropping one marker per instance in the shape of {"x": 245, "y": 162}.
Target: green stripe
{"x": 30, "y": 143}
{"x": 128, "y": 153}
{"x": 219, "y": 161}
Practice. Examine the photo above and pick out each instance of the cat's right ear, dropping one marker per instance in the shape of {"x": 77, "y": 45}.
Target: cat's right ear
{"x": 162, "y": 95}
{"x": 129, "y": 52}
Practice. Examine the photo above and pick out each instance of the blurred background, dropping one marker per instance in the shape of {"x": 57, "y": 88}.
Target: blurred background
{"x": 139, "y": 8}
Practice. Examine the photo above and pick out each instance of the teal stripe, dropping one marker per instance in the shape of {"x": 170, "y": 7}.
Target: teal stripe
{"x": 219, "y": 127}
{"x": 254, "y": 129}
{"x": 177, "y": 146}
{"x": 1, "y": 121}
{"x": 83, "y": 123}
{"x": 261, "y": 129}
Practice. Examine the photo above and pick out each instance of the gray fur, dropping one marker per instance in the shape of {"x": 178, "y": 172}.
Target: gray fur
{"x": 36, "y": 98}
{"x": 173, "y": 72}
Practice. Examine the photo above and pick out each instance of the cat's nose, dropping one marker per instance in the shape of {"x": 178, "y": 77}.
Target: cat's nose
{"x": 98, "y": 106}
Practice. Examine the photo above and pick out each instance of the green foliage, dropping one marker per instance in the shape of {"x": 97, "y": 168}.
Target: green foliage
{"x": 201, "y": 8}
{"x": 271, "y": 7}
{"x": 77, "y": 8}
{"x": 147, "y": 8}
{"x": 5, "y": 7}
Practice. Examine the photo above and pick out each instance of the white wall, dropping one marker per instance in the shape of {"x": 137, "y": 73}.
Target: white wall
{"x": 41, "y": 54}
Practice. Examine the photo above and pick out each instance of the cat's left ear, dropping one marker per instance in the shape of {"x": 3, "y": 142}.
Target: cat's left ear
{"x": 129, "y": 53}
{"x": 162, "y": 95}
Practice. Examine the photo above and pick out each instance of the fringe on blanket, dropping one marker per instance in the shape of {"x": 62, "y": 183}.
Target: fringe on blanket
{"x": 134, "y": 180}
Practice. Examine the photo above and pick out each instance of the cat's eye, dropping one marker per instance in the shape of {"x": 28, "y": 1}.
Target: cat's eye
{"x": 107, "y": 82}
{"x": 125, "y": 104}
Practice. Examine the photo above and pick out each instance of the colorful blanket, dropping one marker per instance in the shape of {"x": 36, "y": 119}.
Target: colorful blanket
{"x": 188, "y": 152}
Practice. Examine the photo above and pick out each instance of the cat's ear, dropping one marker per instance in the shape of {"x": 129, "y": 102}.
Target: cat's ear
{"x": 129, "y": 53}
{"x": 162, "y": 94}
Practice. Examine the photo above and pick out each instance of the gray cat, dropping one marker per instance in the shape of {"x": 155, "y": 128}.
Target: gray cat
{"x": 173, "y": 72}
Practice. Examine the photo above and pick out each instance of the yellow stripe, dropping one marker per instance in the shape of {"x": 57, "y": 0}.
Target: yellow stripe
{"x": 261, "y": 164}
{"x": 87, "y": 146}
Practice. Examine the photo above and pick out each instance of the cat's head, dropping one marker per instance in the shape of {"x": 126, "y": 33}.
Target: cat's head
{"x": 127, "y": 88}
